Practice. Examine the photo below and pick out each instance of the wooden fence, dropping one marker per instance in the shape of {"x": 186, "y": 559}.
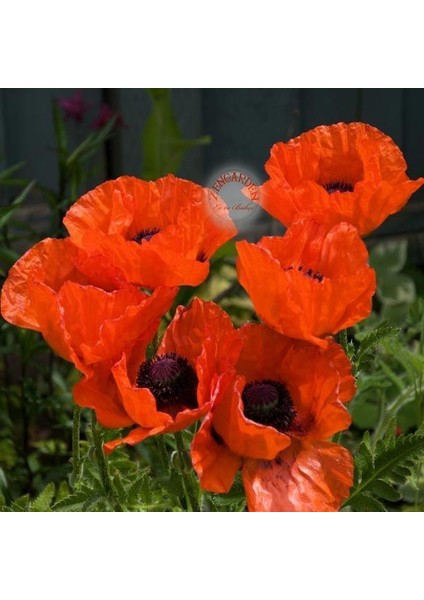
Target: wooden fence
{"x": 243, "y": 123}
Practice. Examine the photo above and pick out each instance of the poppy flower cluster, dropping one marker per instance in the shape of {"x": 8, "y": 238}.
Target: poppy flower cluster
{"x": 269, "y": 396}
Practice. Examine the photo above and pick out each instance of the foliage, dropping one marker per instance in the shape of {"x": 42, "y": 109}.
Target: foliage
{"x": 380, "y": 468}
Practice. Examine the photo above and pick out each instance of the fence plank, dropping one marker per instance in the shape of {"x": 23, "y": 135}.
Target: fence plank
{"x": 327, "y": 106}
{"x": 29, "y": 134}
{"x": 414, "y": 131}
{"x": 384, "y": 109}
{"x": 134, "y": 106}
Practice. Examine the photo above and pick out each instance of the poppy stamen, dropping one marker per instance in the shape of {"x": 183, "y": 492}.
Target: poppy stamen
{"x": 268, "y": 402}
{"x": 145, "y": 235}
{"x": 201, "y": 256}
{"x": 338, "y": 186}
{"x": 308, "y": 273}
{"x": 172, "y": 381}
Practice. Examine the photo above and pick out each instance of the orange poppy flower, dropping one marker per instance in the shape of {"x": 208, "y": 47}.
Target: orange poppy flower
{"x": 174, "y": 389}
{"x": 313, "y": 281}
{"x": 156, "y": 233}
{"x": 273, "y": 419}
{"x": 352, "y": 172}
{"x": 84, "y": 324}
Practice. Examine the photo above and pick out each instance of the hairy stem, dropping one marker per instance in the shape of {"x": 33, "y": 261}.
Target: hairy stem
{"x": 189, "y": 490}
{"x": 76, "y": 454}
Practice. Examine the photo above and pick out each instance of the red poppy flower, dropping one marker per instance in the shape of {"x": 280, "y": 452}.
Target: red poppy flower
{"x": 155, "y": 233}
{"x": 311, "y": 282}
{"x": 352, "y": 172}
{"x": 85, "y": 324}
{"x": 173, "y": 389}
{"x": 273, "y": 420}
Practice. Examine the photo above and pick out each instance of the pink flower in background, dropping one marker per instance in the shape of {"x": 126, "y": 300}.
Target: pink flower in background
{"x": 105, "y": 115}
{"x": 74, "y": 106}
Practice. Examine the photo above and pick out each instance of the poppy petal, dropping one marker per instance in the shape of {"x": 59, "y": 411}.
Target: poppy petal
{"x": 204, "y": 334}
{"x": 50, "y": 262}
{"x": 352, "y": 171}
{"x": 115, "y": 220}
{"x": 307, "y": 477}
{"x": 213, "y": 462}
{"x": 99, "y": 393}
{"x": 319, "y": 381}
{"x": 317, "y": 279}
{"x": 135, "y": 436}
{"x": 109, "y": 208}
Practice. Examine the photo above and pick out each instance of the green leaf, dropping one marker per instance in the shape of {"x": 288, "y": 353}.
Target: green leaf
{"x": 6, "y": 173}
{"x": 384, "y": 490}
{"x": 396, "y": 289}
{"x": 7, "y": 212}
{"x": 44, "y": 499}
{"x": 391, "y": 460}
{"x": 371, "y": 340}
{"x": 7, "y": 256}
{"x": 21, "y": 504}
{"x": 163, "y": 144}
{"x": 366, "y": 503}
{"x": 72, "y": 503}
{"x": 389, "y": 257}
{"x": 91, "y": 143}
{"x": 135, "y": 490}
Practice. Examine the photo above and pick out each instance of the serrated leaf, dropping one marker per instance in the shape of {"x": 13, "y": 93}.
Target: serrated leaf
{"x": 400, "y": 474}
{"x": 135, "y": 490}
{"x": 373, "y": 339}
{"x": 21, "y": 504}
{"x": 389, "y": 460}
{"x": 119, "y": 488}
{"x": 71, "y": 503}
{"x": 366, "y": 503}
{"x": 90, "y": 502}
{"x": 173, "y": 484}
{"x": 43, "y": 501}
{"x": 384, "y": 490}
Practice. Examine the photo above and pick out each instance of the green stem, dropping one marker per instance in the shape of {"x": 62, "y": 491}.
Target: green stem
{"x": 342, "y": 339}
{"x": 163, "y": 454}
{"x": 101, "y": 462}
{"x": 189, "y": 491}
{"x": 76, "y": 454}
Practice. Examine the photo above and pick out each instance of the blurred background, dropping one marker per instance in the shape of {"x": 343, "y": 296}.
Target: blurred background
{"x": 220, "y": 127}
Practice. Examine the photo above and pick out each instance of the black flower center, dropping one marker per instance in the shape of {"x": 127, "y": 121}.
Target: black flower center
{"x": 338, "y": 186}
{"x": 308, "y": 273}
{"x": 145, "y": 235}
{"x": 172, "y": 381}
{"x": 268, "y": 402}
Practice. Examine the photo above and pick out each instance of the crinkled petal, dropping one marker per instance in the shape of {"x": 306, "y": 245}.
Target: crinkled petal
{"x": 212, "y": 460}
{"x": 307, "y": 477}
